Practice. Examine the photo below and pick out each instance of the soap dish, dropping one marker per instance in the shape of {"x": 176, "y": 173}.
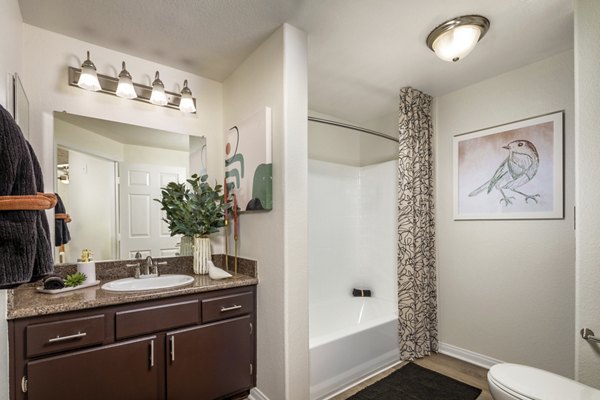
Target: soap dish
{"x": 67, "y": 289}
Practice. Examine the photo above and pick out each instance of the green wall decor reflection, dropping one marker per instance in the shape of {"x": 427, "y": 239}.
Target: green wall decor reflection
{"x": 248, "y": 162}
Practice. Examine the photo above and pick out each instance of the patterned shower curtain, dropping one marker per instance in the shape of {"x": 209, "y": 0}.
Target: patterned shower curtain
{"x": 417, "y": 297}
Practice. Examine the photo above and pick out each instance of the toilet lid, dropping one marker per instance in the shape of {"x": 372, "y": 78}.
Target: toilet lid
{"x": 533, "y": 383}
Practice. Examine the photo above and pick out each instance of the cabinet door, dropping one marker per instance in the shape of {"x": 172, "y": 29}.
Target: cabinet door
{"x": 210, "y": 361}
{"x": 124, "y": 371}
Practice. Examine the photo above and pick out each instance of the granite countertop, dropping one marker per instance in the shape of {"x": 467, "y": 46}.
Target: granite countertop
{"x": 26, "y": 301}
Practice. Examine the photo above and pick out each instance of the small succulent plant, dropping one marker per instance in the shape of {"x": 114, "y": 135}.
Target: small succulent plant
{"x": 75, "y": 279}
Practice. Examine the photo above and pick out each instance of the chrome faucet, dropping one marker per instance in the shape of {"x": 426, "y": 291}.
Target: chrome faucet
{"x": 149, "y": 263}
{"x": 150, "y": 268}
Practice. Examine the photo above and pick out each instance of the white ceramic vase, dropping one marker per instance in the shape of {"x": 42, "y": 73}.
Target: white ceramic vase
{"x": 202, "y": 255}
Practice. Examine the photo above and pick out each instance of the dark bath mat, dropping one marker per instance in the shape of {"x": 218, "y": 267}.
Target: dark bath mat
{"x": 413, "y": 382}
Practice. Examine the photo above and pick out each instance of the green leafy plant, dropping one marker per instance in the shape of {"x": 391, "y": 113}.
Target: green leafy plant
{"x": 193, "y": 208}
{"x": 75, "y": 279}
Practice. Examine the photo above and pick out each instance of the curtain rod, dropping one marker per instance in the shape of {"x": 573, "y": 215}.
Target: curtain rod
{"x": 356, "y": 128}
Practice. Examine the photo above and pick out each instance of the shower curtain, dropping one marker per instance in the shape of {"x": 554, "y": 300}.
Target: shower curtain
{"x": 417, "y": 297}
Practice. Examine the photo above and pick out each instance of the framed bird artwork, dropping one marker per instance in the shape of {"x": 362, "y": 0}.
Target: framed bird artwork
{"x": 511, "y": 171}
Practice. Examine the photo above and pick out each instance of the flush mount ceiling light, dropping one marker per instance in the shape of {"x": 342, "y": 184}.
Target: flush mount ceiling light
{"x": 187, "y": 101}
{"x": 125, "y": 88}
{"x": 455, "y": 38}
{"x": 88, "y": 79}
{"x": 158, "y": 96}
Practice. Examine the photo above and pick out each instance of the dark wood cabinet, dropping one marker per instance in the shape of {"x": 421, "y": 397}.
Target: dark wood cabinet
{"x": 121, "y": 371}
{"x": 200, "y": 346}
{"x": 211, "y": 370}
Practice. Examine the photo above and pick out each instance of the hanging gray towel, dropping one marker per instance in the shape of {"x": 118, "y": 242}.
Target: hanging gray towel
{"x": 61, "y": 230}
{"x": 25, "y": 249}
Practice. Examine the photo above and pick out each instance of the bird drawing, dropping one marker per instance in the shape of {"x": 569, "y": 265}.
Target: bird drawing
{"x": 519, "y": 167}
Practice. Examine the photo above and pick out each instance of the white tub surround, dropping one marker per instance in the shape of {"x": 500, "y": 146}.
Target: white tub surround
{"x": 352, "y": 241}
{"x": 350, "y": 338}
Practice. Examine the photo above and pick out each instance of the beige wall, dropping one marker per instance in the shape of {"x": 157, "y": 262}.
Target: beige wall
{"x": 11, "y": 40}
{"x": 507, "y": 288}
{"x": 332, "y": 143}
{"x": 587, "y": 123}
{"x": 274, "y": 75}
{"x": 11, "y": 44}
{"x": 375, "y": 149}
{"x": 77, "y": 138}
{"x": 387, "y": 124}
{"x": 345, "y": 146}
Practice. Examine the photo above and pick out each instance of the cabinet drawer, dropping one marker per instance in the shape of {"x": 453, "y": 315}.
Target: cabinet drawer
{"x": 157, "y": 318}
{"x": 218, "y": 308}
{"x": 64, "y": 335}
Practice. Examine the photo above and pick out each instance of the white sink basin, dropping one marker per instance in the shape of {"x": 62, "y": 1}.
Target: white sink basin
{"x": 153, "y": 283}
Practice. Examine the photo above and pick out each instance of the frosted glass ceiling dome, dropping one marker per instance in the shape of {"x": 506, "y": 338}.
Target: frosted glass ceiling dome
{"x": 456, "y": 38}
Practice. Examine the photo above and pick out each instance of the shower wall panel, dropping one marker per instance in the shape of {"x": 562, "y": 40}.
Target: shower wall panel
{"x": 333, "y": 220}
{"x": 351, "y": 230}
{"x": 378, "y": 233}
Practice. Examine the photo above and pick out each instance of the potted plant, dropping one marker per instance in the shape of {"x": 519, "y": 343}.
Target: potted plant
{"x": 194, "y": 209}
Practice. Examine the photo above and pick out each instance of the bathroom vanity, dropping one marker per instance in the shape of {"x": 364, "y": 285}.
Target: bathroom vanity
{"x": 197, "y": 342}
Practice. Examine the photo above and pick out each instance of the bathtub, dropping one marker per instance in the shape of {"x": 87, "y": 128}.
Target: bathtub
{"x": 350, "y": 338}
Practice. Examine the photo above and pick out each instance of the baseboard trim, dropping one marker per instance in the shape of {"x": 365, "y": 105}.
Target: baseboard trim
{"x": 256, "y": 394}
{"x": 468, "y": 355}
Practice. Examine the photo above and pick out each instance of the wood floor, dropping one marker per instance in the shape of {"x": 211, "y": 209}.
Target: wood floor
{"x": 457, "y": 369}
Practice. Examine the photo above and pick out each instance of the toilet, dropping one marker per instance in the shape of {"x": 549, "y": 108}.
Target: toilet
{"x": 520, "y": 382}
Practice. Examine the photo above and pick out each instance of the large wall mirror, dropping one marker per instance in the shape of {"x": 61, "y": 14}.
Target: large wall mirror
{"x": 108, "y": 175}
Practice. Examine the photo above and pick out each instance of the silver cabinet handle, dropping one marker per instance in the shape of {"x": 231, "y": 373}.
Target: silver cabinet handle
{"x": 65, "y": 338}
{"x": 172, "y": 340}
{"x": 151, "y": 353}
{"x": 224, "y": 309}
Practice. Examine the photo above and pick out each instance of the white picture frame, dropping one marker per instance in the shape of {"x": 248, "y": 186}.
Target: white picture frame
{"x": 510, "y": 171}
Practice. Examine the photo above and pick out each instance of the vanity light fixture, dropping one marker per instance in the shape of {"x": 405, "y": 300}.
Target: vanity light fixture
{"x": 88, "y": 79}
{"x": 158, "y": 96}
{"x": 125, "y": 88}
{"x": 457, "y": 37}
{"x": 186, "y": 104}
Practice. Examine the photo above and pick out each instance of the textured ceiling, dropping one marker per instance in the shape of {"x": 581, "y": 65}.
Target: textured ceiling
{"x": 361, "y": 52}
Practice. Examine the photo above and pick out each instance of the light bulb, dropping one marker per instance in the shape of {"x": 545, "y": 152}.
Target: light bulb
{"x": 125, "y": 88}
{"x": 158, "y": 95}
{"x": 186, "y": 104}
{"x": 455, "y": 44}
{"x": 88, "y": 79}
